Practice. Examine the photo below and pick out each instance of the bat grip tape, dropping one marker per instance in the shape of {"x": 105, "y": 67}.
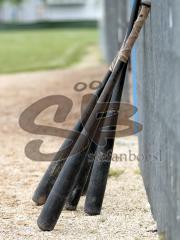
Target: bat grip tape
{"x": 125, "y": 51}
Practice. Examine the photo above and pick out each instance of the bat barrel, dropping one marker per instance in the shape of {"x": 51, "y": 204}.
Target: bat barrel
{"x": 98, "y": 179}
{"x": 64, "y": 183}
{"x": 77, "y": 157}
{"x": 83, "y": 177}
{"x": 84, "y": 191}
{"x": 42, "y": 191}
{"x": 79, "y": 184}
{"x": 100, "y": 170}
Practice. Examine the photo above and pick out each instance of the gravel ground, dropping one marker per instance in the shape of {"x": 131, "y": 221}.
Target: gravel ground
{"x": 126, "y": 212}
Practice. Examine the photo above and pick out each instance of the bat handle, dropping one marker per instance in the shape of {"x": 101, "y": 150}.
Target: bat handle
{"x": 125, "y": 51}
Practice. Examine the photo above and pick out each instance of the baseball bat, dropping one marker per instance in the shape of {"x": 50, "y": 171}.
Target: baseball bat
{"x": 82, "y": 177}
{"x": 101, "y": 165}
{"x": 64, "y": 182}
{"x": 76, "y": 191}
{"x": 100, "y": 170}
{"x": 45, "y": 185}
{"x": 84, "y": 191}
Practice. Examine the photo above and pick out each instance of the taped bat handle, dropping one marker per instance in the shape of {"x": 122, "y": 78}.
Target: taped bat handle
{"x": 134, "y": 15}
{"x": 125, "y": 51}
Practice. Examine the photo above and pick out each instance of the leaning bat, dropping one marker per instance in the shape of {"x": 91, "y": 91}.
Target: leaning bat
{"x": 98, "y": 180}
{"x": 43, "y": 189}
{"x": 64, "y": 182}
{"x": 84, "y": 172}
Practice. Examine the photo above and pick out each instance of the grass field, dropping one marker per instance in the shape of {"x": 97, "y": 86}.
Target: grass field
{"x": 30, "y": 50}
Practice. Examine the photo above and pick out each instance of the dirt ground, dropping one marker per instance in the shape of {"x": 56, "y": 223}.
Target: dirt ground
{"x": 126, "y": 212}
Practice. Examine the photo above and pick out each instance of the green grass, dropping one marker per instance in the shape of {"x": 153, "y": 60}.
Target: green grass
{"x": 137, "y": 171}
{"x": 116, "y": 172}
{"x": 31, "y": 50}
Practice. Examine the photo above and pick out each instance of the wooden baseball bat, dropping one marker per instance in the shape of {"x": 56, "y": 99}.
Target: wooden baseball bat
{"x": 80, "y": 182}
{"x": 101, "y": 165}
{"x": 100, "y": 170}
{"x": 46, "y": 183}
{"x": 64, "y": 182}
{"x": 84, "y": 191}
{"x": 76, "y": 191}
{"x": 43, "y": 189}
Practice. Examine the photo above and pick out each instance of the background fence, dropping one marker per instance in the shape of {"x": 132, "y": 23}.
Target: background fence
{"x": 158, "y": 96}
{"x": 113, "y": 29}
{"x": 158, "y": 61}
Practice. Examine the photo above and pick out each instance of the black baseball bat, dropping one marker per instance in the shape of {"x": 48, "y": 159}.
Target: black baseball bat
{"x": 64, "y": 182}
{"x": 43, "y": 189}
{"x": 84, "y": 191}
{"x": 46, "y": 183}
{"x": 79, "y": 184}
{"x": 100, "y": 170}
{"x": 81, "y": 179}
{"x": 57, "y": 197}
